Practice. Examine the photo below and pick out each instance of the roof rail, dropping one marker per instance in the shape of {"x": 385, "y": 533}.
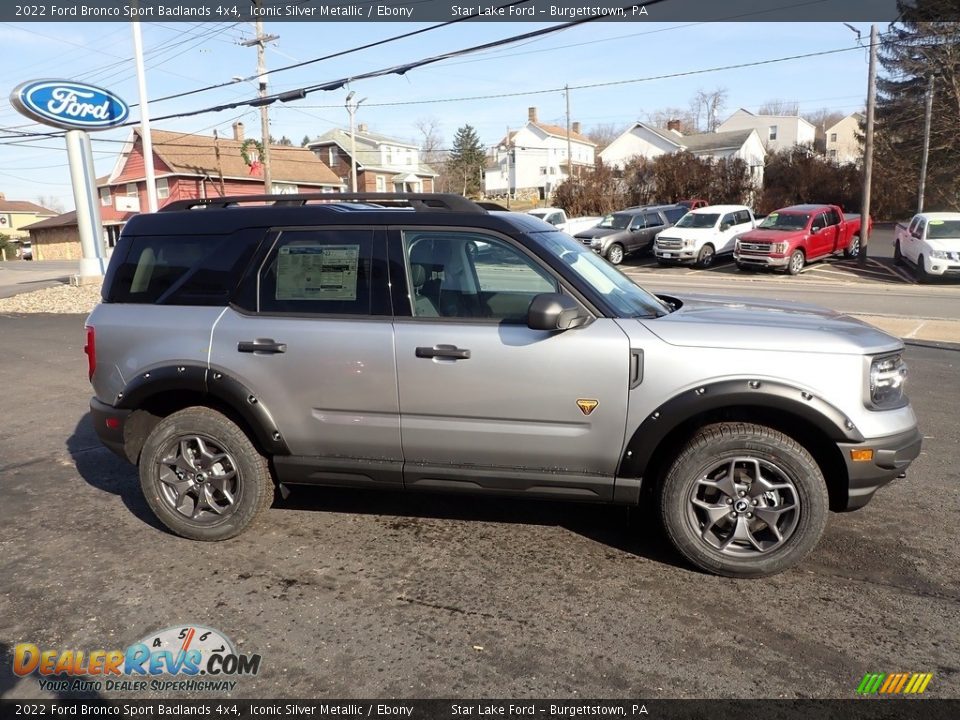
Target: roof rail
{"x": 418, "y": 201}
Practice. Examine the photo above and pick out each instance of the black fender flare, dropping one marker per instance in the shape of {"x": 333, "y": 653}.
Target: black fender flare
{"x": 747, "y": 392}
{"x": 209, "y": 383}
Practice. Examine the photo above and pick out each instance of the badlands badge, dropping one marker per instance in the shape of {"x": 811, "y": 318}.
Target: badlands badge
{"x": 587, "y": 406}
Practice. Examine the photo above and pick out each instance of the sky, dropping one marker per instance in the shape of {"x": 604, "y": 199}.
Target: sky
{"x": 608, "y": 64}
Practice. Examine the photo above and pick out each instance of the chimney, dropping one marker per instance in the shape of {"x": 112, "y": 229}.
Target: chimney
{"x": 532, "y": 114}
{"x": 674, "y": 125}
{"x": 238, "y": 131}
{"x": 575, "y": 127}
{"x": 362, "y": 127}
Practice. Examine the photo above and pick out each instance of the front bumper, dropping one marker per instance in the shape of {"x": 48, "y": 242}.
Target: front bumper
{"x": 681, "y": 255}
{"x": 761, "y": 260}
{"x": 892, "y": 456}
{"x": 109, "y": 423}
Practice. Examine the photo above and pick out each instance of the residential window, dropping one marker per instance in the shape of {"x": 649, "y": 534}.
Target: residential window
{"x": 772, "y": 135}
{"x": 106, "y": 199}
{"x": 279, "y": 188}
{"x": 381, "y": 183}
{"x": 833, "y": 137}
{"x": 332, "y": 158}
{"x": 163, "y": 189}
{"x": 543, "y": 170}
{"x": 833, "y": 154}
{"x": 389, "y": 151}
{"x": 131, "y": 190}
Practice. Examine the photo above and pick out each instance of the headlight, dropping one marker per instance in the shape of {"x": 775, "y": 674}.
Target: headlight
{"x": 780, "y": 248}
{"x": 940, "y": 254}
{"x": 688, "y": 243}
{"x": 596, "y": 242}
{"x": 888, "y": 375}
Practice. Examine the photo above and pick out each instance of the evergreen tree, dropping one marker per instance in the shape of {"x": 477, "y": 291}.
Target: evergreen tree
{"x": 306, "y": 141}
{"x": 467, "y": 160}
{"x": 913, "y": 52}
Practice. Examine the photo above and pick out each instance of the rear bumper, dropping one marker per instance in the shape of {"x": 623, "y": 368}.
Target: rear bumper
{"x": 109, "y": 423}
{"x": 892, "y": 456}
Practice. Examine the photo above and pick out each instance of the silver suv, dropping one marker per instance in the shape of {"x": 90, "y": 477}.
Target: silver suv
{"x": 420, "y": 342}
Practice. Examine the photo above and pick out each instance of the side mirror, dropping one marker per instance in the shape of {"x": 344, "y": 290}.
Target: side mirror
{"x": 724, "y": 226}
{"x": 816, "y": 229}
{"x": 553, "y": 311}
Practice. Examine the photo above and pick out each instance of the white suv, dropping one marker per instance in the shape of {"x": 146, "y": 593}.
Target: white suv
{"x": 702, "y": 234}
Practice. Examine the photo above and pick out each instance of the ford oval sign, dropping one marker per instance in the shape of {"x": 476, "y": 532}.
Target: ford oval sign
{"x": 68, "y": 104}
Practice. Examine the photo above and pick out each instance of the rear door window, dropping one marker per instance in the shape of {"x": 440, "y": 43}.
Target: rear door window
{"x": 652, "y": 219}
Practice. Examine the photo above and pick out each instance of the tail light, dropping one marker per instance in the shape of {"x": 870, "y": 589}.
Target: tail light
{"x": 91, "y": 350}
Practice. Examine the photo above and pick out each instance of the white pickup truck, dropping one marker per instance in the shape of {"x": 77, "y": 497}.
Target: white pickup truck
{"x": 558, "y": 218}
{"x": 703, "y": 234}
{"x": 930, "y": 242}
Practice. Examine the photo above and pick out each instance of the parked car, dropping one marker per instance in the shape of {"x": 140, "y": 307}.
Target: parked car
{"x": 629, "y": 231}
{"x": 702, "y": 235}
{"x": 791, "y": 237}
{"x": 296, "y": 340}
{"x": 558, "y": 218}
{"x": 26, "y": 250}
{"x": 930, "y": 243}
{"x": 693, "y": 204}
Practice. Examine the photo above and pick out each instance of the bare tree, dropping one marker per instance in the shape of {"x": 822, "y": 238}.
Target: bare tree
{"x": 779, "y": 107}
{"x": 605, "y": 134}
{"x": 432, "y": 152}
{"x": 706, "y": 108}
{"x": 660, "y": 119}
{"x": 50, "y": 203}
{"x": 822, "y": 119}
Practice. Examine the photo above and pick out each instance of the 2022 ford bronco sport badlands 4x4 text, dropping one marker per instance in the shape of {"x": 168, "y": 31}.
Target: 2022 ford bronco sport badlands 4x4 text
{"x": 346, "y": 340}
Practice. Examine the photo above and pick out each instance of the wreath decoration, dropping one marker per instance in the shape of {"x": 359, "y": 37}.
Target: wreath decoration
{"x": 245, "y": 151}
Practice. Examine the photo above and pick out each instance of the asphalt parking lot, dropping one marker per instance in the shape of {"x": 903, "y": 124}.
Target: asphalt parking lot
{"x": 351, "y": 594}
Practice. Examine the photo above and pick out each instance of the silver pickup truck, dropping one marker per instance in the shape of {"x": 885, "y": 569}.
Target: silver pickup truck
{"x": 363, "y": 340}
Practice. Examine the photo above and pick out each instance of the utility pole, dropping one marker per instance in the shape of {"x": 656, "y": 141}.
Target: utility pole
{"x": 507, "y": 145}
{"x": 868, "y": 149}
{"x": 260, "y": 41}
{"x": 352, "y": 109}
{"x": 566, "y": 90}
{"x": 146, "y": 142}
{"x": 926, "y": 144}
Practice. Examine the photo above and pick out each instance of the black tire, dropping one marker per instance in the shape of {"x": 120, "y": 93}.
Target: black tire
{"x": 746, "y": 267}
{"x": 853, "y": 249}
{"x": 706, "y": 256}
{"x": 796, "y": 262}
{"x": 223, "y": 506}
{"x": 897, "y": 255}
{"x": 802, "y": 503}
{"x": 921, "y": 271}
{"x": 615, "y": 254}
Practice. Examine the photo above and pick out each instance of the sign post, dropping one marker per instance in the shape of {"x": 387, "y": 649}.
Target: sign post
{"x": 77, "y": 107}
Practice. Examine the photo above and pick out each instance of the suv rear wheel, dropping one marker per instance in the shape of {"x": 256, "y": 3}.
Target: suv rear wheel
{"x": 744, "y": 500}
{"x": 202, "y": 476}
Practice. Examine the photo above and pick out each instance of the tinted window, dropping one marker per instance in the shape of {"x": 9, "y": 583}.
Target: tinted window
{"x": 674, "y": 214}
{"x": 698, "y": 220}
{"x": 728, "y": 219}
{"x": 318, "y": 272}
{"x": 177, "y": 270}
{"x": 833, "y": 217}
{"x": 616, "y": 221}
{"x": 652, "y": 219}
{"x": 742, "y": 216}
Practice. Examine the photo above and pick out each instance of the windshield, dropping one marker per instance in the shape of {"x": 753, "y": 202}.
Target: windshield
{"x": 785, "y": 221}
{"x": 616, "y": 221}
{"x": 698, "y": 220}
{"x": 943, "y": 229}
{"x": 627, "y": 298}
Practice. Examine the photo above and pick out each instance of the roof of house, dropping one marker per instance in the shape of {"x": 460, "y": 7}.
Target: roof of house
{"x": 554, "y": 130}
{"x": 67, "y": 218}
{"x": 700, "y": 142}
{"x": 763, "y": 115}
{"x": 24, "y": 206}
{"x": 368, "y": 146}
{"x": 197, "y": 155}
{"x": 858, "y": 115}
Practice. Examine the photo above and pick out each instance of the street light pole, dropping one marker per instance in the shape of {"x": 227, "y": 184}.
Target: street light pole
{"x": 352, "y": 109}
{"x": 868, "y": 149}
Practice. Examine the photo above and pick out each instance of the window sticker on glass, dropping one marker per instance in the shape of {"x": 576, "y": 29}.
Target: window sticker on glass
{"x": 317, "y": 272}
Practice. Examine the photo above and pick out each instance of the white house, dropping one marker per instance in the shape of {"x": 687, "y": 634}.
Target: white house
{"x": 535, "y": 157}
{"x": 843, "y": 141}
{"x": 642, "y": 140}
{"x": 777, "y": 132}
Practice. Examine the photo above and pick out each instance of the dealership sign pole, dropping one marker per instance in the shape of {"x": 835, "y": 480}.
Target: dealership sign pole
{"x": 78, "y": 108}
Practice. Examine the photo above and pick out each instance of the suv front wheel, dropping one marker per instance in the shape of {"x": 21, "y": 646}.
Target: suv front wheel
{"x": 744, "y": 500}
{"x": 202, "y": 477}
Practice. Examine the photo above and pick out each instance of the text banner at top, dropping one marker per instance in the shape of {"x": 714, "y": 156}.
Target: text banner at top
{"x": 544, "y": 11}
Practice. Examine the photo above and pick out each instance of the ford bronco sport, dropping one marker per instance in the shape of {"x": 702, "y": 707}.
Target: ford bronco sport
{"x": 363, "y": 340}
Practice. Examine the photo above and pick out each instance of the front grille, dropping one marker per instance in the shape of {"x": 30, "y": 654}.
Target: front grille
{"x": 669, "y": 244}
{"x": 762, "y": 248}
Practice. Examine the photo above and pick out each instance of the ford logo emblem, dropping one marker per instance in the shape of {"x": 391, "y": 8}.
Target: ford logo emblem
{"x": 68, "y": 104}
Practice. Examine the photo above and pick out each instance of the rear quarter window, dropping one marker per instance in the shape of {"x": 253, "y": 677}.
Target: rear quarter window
{"x": 675, "y": 214}
{"x": 177, "y": 269}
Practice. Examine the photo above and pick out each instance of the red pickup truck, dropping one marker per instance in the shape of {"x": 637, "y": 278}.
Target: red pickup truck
{"x": 791, "y": 237}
